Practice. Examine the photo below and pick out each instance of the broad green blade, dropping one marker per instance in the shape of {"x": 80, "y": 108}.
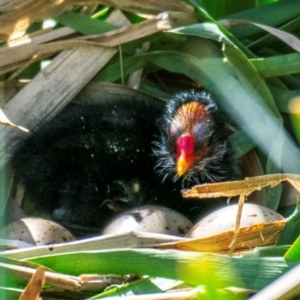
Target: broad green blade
{"x": 190, "y": 267}
{"x": 84, "y": 24}
{"x": 220, "y": 8}
{"x": 277, "y": 65}
{"x": 291, "y": 231}
{"x": 206, "y": 30}
{"x": 284, "y": 11}
{"x": 7, "y": 293}
{"x": 250, "y": 78}
{"x": 293, "y": 252}
{"x": 204, "y": 16}
{"x": 241, "y": 142}
{"x": 269, "y": 251}
{"x": 282, "y": 97}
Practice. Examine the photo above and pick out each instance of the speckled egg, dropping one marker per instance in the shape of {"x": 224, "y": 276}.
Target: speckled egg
{"x": 223, "y": 219}
{"x": 36, "y": 231}
{"x": 150, "y": 218}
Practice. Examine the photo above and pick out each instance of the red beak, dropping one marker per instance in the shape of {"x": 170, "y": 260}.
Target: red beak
{"x": 185, "y": 149}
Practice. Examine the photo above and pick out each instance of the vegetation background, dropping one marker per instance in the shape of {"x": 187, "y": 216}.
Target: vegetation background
{"x": 244, "y": 52}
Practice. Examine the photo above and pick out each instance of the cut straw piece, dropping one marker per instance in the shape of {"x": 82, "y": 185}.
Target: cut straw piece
{"x": 35, "y": 286}
{"x": 56, "y": 280}
{"x": 241, "y": 187}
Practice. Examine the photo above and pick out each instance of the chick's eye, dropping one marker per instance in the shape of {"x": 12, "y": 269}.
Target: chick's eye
{"x": 203, "y": 133}
{"x": 203, "y": 145}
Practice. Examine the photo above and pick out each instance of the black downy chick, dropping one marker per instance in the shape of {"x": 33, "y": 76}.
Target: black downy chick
{"x": 195, "y": 146}
{"x": 93, "y": 161}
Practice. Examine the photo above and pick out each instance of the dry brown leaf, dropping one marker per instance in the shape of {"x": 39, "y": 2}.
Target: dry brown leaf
{"x": 258, "y": 235}
{"x": 35, "y": 286}
{"x": 11, "y": 58}
{"x": 123, "y": 35}
{"x": 241, "y": 187}
{"x": 6, "y": 5}
{"x": 21, "y": 50}
{"x": 40, "y": 36}
{"x": 14, "y": 23}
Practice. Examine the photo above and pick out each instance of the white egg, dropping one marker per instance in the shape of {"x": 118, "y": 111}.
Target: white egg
{"x": 36, "y": 231}
{"x": 224, "y": 219}
{"x": 150, "y": 218}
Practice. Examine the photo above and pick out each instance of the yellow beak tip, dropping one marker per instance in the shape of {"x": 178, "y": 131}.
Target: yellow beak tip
{"x": 180, "y": 171}
{"x": 181, "y": 167}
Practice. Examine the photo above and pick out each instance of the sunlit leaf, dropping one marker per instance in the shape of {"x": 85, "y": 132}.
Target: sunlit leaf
{"x": 291, "y": 230}
{"x": 190, "y": 267}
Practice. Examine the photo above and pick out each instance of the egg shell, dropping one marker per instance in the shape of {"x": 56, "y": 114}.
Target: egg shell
{"x": 150, "y": 218}
{"x": 224, "y": 219}
{"x": 36, "y": 231}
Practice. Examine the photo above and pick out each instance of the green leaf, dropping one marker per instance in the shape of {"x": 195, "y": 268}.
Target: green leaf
{"x": 190, "y": 267}
{"x": 139, "y": 287}
{"x": 205, "y": 30}
{"x": 282, "y": 97}
{"x": 291, "y": 231}
{"x": 273, "y": 194}
{"x": 153, "y": 92}
{"x": 241, "y": 142}
{"x": 84, "y": 24}
{"x": 294, "y": 251}
{"x": 284, "y": 11}
{"x": 203, "y": 15}
{"x": 222, "y": 8}
{"x": 269, "y": 251}
{"x": 251, "y": 78}
{"x": 10, "y": 293}
{"x": 277, "y": 65}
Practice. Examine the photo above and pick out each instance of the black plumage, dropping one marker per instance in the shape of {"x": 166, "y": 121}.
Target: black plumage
{"x": 92, "y": 161}
{"x": 198, "y": 114}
